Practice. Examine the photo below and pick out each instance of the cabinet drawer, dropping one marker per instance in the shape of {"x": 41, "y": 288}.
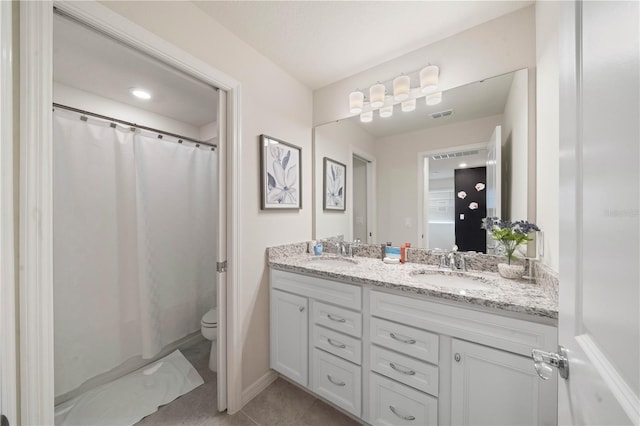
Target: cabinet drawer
{"x": 511, "y": 334}
{"x": 346, "y": 347}
{"x": 347, "y": 295}
{"x": 337, "y": 380}
{"x": 409, "y": 371}
{"x": 391, "y": 403}
{"x": 407, "y": 340}
{"x": 336, "y": 318}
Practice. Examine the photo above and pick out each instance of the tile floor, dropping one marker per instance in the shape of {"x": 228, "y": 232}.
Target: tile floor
{"x": 280, "y": 404}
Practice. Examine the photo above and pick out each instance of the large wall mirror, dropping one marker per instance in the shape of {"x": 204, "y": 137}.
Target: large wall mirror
{"x": 429, "y": 176}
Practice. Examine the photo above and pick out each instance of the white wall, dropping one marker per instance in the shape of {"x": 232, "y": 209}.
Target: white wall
{"x": 273, "y": 103}
{"x": 70, "y": 96}
{"x": 548, "y": 129}
{"x": 337, "y": 141}
{"x": 502, "y": 45}
{"x": 397, "y": 180}
{"x": 515, "y": 130}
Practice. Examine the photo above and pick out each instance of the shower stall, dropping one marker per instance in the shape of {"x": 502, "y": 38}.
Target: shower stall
{"x": 135, "y": 223}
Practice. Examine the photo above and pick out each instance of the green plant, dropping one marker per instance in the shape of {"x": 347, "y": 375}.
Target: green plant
{"x": 509, "y": 234}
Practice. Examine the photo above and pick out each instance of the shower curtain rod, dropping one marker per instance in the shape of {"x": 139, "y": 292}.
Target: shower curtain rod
{"x": 137, "y": 126}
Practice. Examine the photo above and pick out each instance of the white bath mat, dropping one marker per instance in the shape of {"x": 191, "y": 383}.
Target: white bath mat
{"x": 128, "y": 399}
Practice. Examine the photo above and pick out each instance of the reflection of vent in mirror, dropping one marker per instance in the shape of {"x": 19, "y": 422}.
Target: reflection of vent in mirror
{"x": 454, "y": 155}
{"x": 441, "y": 114}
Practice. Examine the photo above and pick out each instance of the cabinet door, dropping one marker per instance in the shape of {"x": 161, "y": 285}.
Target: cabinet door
{"x": 289, "y": 336}
{"x": 494, "y": 387}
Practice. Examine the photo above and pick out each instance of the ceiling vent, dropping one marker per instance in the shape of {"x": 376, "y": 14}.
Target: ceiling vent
{"x": 441, "y": 114}
{"x": 453, "y": 155}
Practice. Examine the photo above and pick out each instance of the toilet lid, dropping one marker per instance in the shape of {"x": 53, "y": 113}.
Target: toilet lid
{"x": 210, "y": 318}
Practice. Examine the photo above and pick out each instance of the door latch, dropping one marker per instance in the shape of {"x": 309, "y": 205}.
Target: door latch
{"x": 221, "y": 266}
{"x": 545, "y": 361}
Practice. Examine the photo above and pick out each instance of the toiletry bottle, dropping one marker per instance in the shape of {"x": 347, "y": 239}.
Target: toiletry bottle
{"x": 403, "y": 254}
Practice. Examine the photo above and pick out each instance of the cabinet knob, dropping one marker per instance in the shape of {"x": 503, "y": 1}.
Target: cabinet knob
{"x": 301, "y": 308}
{"x": 457, "y": 357}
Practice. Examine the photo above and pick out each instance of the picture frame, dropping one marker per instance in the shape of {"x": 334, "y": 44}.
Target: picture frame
{"x": 280, "y": 174}
{"x": 334, "y": 185}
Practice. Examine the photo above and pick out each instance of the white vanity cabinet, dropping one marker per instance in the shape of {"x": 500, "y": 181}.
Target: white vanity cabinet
{"x": 393, "y": 359}
{"x": 319, "y": 347}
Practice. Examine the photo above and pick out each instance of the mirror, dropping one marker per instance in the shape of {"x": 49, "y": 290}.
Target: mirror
{"x": 400, "y": 176}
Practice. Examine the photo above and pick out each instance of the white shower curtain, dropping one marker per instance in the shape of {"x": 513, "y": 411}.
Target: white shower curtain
{"x": 134, "y": 244}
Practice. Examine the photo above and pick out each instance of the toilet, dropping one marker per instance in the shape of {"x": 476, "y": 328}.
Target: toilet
{"x": 209, "y": 328}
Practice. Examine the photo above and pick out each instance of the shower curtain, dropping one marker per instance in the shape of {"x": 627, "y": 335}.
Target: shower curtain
{"x": 134, "y": 244}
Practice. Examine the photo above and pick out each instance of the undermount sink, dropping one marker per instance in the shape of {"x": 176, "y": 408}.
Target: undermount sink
{"x": 454, "y": 280}
{"x": 332, "y": 261}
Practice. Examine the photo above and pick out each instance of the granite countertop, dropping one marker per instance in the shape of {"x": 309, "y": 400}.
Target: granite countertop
{"x": 520, "y": 297}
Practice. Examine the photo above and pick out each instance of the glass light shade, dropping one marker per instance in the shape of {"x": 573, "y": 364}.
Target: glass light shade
{"x": 401, "y": 87}
{"x": 376, "y": 95}
{"x": 386, "y": 111}
{"x": 408, "y": 106}
{"x": 429, "y": 78}
{"x": 366, "y": 117}
{"x": 434, "y": 98}
{"x": 356, "y": 101}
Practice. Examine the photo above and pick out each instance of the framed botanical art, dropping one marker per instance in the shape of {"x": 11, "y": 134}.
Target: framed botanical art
{"x": 335, "y": 185}
{"x": 280, "y": 174}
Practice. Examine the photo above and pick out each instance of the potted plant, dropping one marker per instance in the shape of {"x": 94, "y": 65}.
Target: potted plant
{"x": 510, "y": 235}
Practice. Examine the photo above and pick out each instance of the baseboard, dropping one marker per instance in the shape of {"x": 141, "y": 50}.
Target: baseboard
{"x": 258, "y": 386}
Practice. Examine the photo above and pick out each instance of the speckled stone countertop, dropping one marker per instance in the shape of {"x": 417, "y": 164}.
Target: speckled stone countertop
{"x": 520, "y": 297}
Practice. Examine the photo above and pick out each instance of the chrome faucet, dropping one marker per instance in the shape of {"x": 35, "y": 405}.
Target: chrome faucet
{"x": 345, "y": 249}
{"x": 453, "y": 260}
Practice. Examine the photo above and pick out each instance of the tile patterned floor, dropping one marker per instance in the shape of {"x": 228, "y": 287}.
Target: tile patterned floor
{"x": 281, "y": 404}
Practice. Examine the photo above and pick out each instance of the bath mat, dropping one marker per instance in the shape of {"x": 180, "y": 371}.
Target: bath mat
{"x": 128, "y": 399}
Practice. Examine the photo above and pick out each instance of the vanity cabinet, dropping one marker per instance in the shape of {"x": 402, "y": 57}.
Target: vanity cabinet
{"x": 494, "y": 387}
{"x": 320, "y": 347}
{"x": 393, "y": 359}
{"x": 289, "y": 336}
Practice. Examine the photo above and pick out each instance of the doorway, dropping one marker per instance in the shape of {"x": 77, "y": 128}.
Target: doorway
{"x": 360, "y": 230}
{"x": 36, "y": 300}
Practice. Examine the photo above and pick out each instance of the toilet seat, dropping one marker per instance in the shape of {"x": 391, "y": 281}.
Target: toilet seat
{"x": 210, "y": 319}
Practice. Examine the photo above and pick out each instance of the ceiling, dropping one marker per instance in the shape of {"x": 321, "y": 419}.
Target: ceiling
{"x": 321, "y": 42}
{"x": 471, "y": 101}
{"x": 90, "y": 61}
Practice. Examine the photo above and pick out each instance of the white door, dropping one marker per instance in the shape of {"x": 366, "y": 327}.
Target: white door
{"x": 494, "y": 173}
{"x": 359, "y": 191}
{"x": 599, "y": 321}
{"x": 289, "y": 329}
{"x": 494, "y": 387}
{"x": 8, "y": 387}
{"x": 221, "y": 282}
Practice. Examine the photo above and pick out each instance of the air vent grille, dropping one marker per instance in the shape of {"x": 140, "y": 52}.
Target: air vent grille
{"x": 441, "y": 114}
{"x": 453, "y": 155}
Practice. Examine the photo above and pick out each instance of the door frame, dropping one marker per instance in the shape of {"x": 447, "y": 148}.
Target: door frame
{"x": 423, "y": 186}
{"x": 8, "y": 358}
{"x": 36, "y": 230}
{"x": 371, "y": 195}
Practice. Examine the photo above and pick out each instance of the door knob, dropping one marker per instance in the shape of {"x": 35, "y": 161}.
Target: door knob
{"x": 545, "y": 361}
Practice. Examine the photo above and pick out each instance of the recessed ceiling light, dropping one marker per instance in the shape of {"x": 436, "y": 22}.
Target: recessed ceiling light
{"x": 463, "y": 164}
{"x": 140, "y": 93}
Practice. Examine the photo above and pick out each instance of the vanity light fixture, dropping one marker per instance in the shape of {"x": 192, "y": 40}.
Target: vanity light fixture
{"x": 140, "y": 93}
{"x": 401, "y": 87}
{"x": 376, "y": 95}
{"x": 366, "y": 117}
{"x": 356, "y": 102}
{"x": 408, "y": 106}
{"x": 386, "y": 111}
{"x": 434, "y": 98}
{"x": 429, "y": 76}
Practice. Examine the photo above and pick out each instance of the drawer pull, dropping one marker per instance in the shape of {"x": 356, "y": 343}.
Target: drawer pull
{"x": 402, "y": 370}
{"x": 409, "y": 341}
{"x": 337, "y": 345}
{"x": 393, "y": 410}
{"x": 336, "y": 319}
{"x": 334, "y": 382}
